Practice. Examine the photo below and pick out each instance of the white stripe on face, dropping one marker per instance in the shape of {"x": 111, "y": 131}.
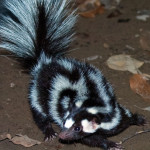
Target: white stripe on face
{"x": 69, "y": 122}
{"x": 79, "y": 103}
{"x": 92, "y": 110}
{"x": 89, "y": 126}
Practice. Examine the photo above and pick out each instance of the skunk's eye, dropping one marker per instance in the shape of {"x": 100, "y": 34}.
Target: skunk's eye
{"x": 77, "y": 129}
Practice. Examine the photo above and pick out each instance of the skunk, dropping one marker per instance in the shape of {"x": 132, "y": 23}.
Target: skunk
{"x": 72, "y": 94}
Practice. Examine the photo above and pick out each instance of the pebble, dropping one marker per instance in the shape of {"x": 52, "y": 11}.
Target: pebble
{"x": 12, "y": 85}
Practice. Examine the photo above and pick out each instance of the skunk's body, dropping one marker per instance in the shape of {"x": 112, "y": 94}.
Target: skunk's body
{"x": 74, "y": 95}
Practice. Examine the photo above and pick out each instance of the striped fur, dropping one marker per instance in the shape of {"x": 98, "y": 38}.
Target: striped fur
{"x": 37, "y": 25}
{"x": 74, "y": 95}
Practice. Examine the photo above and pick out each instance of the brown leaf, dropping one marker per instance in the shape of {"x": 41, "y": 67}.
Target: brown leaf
{"x": 89, "y": 8}
{"x": 140, "y": 84}
{"x": 88, "y": 14}
{"x": 124, "y": 62}
{"x": 92, "y": 13}
{"x": 24, "y": 140}
{"x": 4, "y": 136}
{"x": 85, "y": 5}
{"x": 20, "y": 139}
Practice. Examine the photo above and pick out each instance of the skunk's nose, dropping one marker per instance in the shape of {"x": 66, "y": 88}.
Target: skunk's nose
{"x": 65, "y": 135}
{"x": 61, "y": 135}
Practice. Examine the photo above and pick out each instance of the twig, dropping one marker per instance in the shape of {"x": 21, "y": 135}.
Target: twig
{"x": 137, "y": 133}
{"x": 9, "y": 57}
{"x": 6, "y": 56}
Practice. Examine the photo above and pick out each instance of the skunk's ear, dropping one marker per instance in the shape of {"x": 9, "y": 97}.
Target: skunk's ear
{"x": 89, "y": 126}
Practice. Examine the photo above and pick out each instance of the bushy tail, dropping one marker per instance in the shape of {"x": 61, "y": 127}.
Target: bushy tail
{"x": 28, "y": 27}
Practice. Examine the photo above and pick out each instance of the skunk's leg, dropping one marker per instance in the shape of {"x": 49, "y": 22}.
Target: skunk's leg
{"x": 100, "y": 141}
{"x": 44, "y": 123}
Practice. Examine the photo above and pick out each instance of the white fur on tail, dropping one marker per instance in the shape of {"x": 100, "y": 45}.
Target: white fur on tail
{"x": 18, "y": 32}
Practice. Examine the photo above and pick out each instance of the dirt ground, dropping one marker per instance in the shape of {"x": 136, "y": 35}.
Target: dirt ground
{"x": 15, "y": 115}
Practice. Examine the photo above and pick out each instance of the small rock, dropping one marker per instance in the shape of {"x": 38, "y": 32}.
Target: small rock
{"x": 143, "y": 17}
{"x": 137, "y": 35}
{"x": 140, "y": 29}
{"x": 92, "y": 57}
{"x": 106, "y": 45}
{"x": 130, "y": 47}
{"x": 143, "y": 12}
{"x": 12, "y": 85}
{"x": 8, "y": 99}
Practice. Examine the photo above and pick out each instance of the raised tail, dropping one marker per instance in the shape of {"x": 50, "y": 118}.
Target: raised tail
{"x": 29, "y": 27}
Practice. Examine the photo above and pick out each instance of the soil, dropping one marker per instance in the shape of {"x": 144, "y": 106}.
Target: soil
{"x": 15, "y": 115}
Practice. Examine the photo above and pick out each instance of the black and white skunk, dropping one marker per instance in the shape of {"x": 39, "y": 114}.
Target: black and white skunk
{"x": 72, "y": 94}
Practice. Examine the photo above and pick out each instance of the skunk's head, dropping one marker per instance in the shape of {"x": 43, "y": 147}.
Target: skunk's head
{"x": 78, "y": 125}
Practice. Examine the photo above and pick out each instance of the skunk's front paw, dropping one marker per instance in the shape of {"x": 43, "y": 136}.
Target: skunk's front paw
{"x": 115, "y": 146}
{"x": 50, "y": 134}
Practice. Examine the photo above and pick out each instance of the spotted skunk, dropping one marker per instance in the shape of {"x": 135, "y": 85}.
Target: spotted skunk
{"x": 72, "y": 94}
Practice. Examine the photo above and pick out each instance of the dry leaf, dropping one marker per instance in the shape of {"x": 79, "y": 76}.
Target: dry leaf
{"x": 140, "y": 85}
{"x": 124, "y": 63}
{"x": 20, "y": 139}
{"x": 4, "y": 136}
{"x": 88, "y": 4}
{"x": 92, "y": 13}
{"x": 147, "y": 108}
{"x": 88, "y": 14}
{"x": 90, "y": 8}
{"x": 24, "y": 140}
